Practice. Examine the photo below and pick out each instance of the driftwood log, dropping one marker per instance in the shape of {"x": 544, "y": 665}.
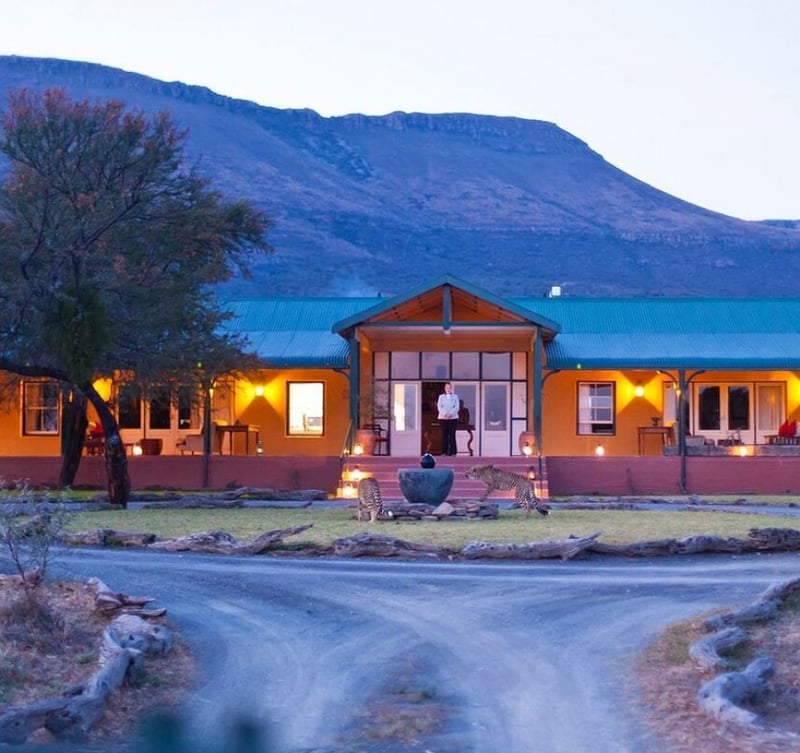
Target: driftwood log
{"x": 709, "y": 650}
{"x": 559, "y": 548}
{"x": 71, "y": 717}
{"x": 726, "y": 695}
{"x": 222, "y": 542}
{"x": 107, "y": 601}
{"x": 366, "y": 544}
{"x": 107, "y": 537}
{"x": 764, "y": 607}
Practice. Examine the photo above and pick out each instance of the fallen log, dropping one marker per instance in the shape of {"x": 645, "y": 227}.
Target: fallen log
{"x": 698, "y": 544}
{"x": 561, "y": 548}
{"x": 774, "y": 539}
{"x": 708, "y": 651}
{"x": 764, "y": 607}
{"x": 124, "y": 644}
{"x": 367, "y": 544}
{"x": 107, "y": 537}
{"x": 106, "y": 600}
{"x": 222, "y": 542}
{"x": 725, "y": 695}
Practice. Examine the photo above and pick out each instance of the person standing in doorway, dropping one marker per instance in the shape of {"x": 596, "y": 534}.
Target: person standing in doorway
{"x": 448, "y": 405}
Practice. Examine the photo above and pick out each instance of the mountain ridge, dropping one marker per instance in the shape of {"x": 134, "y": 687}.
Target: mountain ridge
{"x": 368, "y": 204}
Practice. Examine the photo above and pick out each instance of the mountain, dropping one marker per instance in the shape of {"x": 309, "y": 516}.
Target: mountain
{"x": 379, "y": 204}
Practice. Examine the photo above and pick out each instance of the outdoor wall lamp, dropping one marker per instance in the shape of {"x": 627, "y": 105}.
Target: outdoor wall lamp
{"x": 638, "y": 390}
{"x": 259, "y": 390}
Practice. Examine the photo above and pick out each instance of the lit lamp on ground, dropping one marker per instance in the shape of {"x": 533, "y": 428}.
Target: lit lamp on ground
{"x": 599, "y": 450}
{"x": 259, "y": 447}
{"x": 136, "y": 450}
{"x": 531, "y": 473}
{"x": 358, "y": 449}
{"x": 356, "y": 474}
{"x": 527, "y": 450}
{"x": 348, "y": 490}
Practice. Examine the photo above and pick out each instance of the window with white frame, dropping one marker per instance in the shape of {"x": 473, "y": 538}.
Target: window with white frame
{"x": 306, "y": 409}
{"x": 40, "y": 407}
{"x": 596, "y": 408}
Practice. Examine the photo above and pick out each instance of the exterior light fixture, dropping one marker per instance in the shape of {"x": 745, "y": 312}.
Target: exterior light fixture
{"x": 527, "y": 450}
{"x": 136, "y": 450}
{"x": 259, "y": 390}
{"x": 531, "y": 473}
{"x": 742, "y": 449}
{"x": 638, "y": 390}
{"x": 358, "y": 448}
{"x": 259, "y": 447}
{"x": 599, "y": 450}
{"x": 348, "y": 490}
{"x": 356, "y": 474}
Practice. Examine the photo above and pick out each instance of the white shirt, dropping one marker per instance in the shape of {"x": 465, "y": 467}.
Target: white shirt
{"x": 448, "y": 405}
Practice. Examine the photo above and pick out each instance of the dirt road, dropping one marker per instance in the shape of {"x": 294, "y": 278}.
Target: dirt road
{"x": 516, "y": 657}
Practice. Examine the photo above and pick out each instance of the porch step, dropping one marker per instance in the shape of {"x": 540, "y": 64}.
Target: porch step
{"x": 384, "y": 469}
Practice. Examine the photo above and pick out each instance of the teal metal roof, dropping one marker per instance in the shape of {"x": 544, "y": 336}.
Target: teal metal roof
{"x": 295, "y": 332}
{"x": 598, "y": 333}
{"x": 672, "y": 332}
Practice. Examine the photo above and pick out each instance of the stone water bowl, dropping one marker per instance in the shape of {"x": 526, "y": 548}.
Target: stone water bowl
{"x": 428, "y": 486}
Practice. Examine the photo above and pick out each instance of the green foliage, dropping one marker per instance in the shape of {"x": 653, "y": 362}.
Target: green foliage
{"x": 110, "y": 240}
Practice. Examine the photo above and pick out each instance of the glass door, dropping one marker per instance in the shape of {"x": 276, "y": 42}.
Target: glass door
{"x": 406, "y": 423}
{"x": 770, "y": 410}
{"x": 495, "y": 430}
{"x": 724, "y": 411}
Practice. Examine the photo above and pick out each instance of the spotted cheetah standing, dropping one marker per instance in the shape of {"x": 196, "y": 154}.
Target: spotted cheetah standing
{"x": 498, "y": 478}
{"x": 370, "y": 502}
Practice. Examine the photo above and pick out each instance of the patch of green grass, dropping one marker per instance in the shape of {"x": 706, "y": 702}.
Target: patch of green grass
{"x": 330, "y": 523}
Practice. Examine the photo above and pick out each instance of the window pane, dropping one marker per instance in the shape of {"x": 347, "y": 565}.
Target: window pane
{"x": 708, "y": 408}
{"x": 435, "y": 365}
{"x": 306, "y": 408}
{"x": 738, "y": 408}
{"x": 495, "y": 410}
{"x": 40, "y": 407}
{"x": 405, "y": 365}
{"x": 466, "y": 366}
{"x": 381, "y": 366}
{"x": 770, "y": 406}
{"x": 596, "y": 408}
{"x": 496, "y": 365}
{"x": 129, "y": 407}
{"x": 185, "y": 405}
{"x": 520, "y": 365}
{"x": 159, "y": 408}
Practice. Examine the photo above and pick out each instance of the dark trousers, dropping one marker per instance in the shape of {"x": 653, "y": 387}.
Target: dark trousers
{"x": 449, "y": 435}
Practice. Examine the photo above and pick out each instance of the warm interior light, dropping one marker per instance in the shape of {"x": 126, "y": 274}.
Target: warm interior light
{"x": 527, "y": 450}
{"x": 358, "y": 449}
{"x": 638, "y": 390}
{"x": 599, "y": 450}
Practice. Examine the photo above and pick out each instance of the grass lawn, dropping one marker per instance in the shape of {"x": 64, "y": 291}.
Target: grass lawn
{"x": 616, "y": 527}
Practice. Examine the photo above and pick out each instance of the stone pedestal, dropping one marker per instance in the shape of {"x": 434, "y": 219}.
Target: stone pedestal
{"x": 425, "y": 485}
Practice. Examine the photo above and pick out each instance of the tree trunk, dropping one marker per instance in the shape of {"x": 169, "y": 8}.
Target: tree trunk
{"x": 119, "y": 482}
{"x": 74, "y": 431}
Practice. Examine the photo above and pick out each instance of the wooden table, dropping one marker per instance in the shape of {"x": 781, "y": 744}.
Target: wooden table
{"x": 230, "y": 430}
{"x": 665, "y": 432}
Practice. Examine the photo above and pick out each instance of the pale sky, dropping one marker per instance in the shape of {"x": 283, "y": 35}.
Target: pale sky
{"x": 700, "y": 98}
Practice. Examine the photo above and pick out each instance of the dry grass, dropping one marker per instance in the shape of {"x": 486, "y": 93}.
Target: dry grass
{"x": 50, "y": 640}
{"x": 669, "y": 681}
{"x": 330, "y": 523}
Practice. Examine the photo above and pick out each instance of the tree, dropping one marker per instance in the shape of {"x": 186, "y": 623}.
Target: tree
{"x": 110, "y": 242}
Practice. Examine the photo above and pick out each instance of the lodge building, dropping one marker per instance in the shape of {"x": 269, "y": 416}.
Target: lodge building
{"x": 616, "y": 396}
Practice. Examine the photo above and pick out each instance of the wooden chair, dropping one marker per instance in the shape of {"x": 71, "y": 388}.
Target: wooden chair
{"x": 381, "y": 441}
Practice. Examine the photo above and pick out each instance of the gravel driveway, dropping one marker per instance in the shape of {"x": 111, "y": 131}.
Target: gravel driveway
{"x": 520, "y": 657}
